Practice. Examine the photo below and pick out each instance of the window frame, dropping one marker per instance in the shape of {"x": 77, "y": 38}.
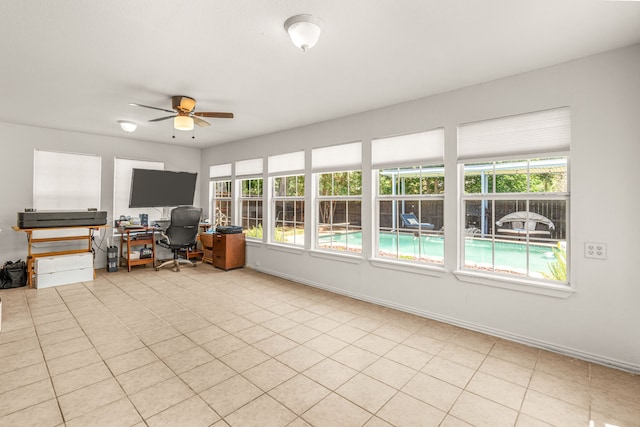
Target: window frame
{"x": 220, "y": 173}
{"x": 220, "y": 217}
{"x": 507, "y": 140}
{"x": 258, "y": 199}
{"x": 419, "y": 198}
{"x": 526, "y": 282}
{"x": 296, "y": 199}
{"x": 337, "y": 198}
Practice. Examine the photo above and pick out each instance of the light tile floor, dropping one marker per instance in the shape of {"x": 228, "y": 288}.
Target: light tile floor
{"x": 204, "y": 347}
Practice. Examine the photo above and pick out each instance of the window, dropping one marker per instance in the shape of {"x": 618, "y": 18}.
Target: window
{"x": 515, "y": 198}
{"x": 66, "y": 181}
{"x": 220, "y": 196}
{"x": 410, "y": 196}
{"x": 123, "y": 170}
{"x": 250, "y": 196}
{"x": 338, "y": 214}
{"x": 287, "y": 202}
{"x": 288, "y": 209}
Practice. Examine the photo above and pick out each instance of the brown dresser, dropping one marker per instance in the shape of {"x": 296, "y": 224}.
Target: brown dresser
{"x": 228, "y": 250}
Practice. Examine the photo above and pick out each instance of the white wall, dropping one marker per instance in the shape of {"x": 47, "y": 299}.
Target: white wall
{"x": 17, "y": 144}
{"x": 600, "y": 321}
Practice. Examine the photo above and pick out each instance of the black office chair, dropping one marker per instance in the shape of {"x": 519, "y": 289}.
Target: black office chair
{"x": 181, "y": 234}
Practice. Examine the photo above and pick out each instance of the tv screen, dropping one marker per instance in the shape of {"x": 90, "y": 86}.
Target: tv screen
{"x": 159, "y": 188}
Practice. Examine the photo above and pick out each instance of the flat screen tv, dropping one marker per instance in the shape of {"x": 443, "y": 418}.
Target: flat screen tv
{"x": 159, "y": 188}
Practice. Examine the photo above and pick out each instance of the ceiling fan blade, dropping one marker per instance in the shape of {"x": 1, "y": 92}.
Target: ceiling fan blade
{"x": 200, "y": 122}
{"x": 163, "y": 118}
{"x": 214, "y": 115}
{"x": 154, "y": 108}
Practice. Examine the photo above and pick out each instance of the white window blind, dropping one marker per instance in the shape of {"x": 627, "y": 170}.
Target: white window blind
{"x": 123, "y": 170}
{"x": 217, "y": 171}
{"x": 546, "y": 131}
{"x": 249, "y": 167}
{"x": 337, "y": 157}
{"x": 286, "y": 163}
{"x": 411, "y": 149}
{"x": 66, "y": 181}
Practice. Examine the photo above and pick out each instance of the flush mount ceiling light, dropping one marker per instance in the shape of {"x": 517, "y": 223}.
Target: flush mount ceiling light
{"x": 304, "y": 30}
{"x": 127, "y": 126}
{"x": 183, "y": 123}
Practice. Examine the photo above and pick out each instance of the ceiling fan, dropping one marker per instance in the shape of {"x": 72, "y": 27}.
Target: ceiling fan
{"x": 184, "y": 115}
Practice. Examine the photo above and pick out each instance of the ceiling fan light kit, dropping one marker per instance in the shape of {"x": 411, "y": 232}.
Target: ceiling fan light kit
{"x": 183, "y": 123}
{"x": 304, "y": 30}
{"x": 127, "y": 126}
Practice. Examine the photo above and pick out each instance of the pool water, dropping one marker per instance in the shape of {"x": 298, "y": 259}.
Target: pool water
{"x": 509, "y": 256}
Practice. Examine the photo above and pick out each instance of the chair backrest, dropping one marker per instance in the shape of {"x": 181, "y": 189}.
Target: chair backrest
{"x": 409, "y": 219}
{"x": 183, "y": 229}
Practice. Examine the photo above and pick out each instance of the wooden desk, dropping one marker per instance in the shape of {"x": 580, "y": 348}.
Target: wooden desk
{"x": 31, "y": 240}
{"x": 143, "y": 236}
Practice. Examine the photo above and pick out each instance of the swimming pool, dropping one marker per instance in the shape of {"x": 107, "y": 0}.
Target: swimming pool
{"x": 509, "y": 256}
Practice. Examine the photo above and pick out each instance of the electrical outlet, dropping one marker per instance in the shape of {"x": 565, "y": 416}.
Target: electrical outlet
{"x": 595, "y": 250}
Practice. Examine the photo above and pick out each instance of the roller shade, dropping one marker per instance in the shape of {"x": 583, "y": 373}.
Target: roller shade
{"x": 407, "y": 150}
{"x": 249, "y": 167}
{"x": 66, "y": 181}
{"x": 222, "y": 170}
{"x": 286, "y": 163}
{"x": 337, "y": 157}
{"x": 546, "y": 131}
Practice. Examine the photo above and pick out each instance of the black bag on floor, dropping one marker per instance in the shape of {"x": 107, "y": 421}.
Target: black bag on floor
{"x": 13, "y": 274}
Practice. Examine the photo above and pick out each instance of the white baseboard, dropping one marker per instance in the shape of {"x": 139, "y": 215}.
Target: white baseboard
{"x": 567, "y": 351}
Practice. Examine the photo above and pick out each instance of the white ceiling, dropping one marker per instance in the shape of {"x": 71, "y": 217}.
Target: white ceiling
{"x": 77, "y": 64}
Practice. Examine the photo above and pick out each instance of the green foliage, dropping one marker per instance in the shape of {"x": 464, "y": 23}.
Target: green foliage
{"x": 414, "y": 181}
{"x": 252, "y": 187}
{"x": 340, "y": 184}
{"x": 282, "y": 232}
{"x": 289, "y": 186}
{"x": 557, "y": 268}
{"x": 255, "y": 232}
{"x": 516, "y": 181}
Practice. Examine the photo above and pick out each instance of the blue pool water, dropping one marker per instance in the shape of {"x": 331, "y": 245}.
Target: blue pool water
{"x": 510, "y": 256}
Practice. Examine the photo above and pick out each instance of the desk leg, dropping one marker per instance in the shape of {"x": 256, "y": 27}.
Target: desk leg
{"x": 30, "y": 272}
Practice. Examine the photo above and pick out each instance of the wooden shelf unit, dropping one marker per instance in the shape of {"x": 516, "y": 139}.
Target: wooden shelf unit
{"x": 143, "y": 236}
{"x": 31, "y": 240}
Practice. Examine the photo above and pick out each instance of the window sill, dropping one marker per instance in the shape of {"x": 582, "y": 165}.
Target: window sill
{"x": 515, "y": 284}
{"x": 285, "y": 248}
{"x": 336, "y": 256}
{"x": 427, "y": 270}
{"x": 253, "y": 242}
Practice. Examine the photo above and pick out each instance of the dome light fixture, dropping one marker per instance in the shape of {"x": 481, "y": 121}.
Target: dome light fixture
{"x": 127, "y": 126}
{"x": 183, "y": 123}
{"x": 304, "y": 30}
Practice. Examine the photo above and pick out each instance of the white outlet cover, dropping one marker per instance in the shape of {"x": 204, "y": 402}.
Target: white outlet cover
{"x": 595, "y": 250}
